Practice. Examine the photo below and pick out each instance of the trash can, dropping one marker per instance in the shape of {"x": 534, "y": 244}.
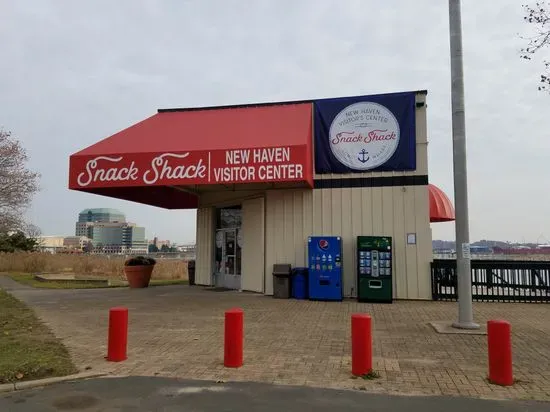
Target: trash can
{"x": 191, "y": 272}
{"x": 299, "y": 283}
{"x": 281, "y": 281}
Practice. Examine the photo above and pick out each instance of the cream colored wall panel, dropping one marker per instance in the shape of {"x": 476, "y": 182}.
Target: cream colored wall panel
{"x": 336, "y": 211}
{"x": 423, "y": 242}
{"x": 298, "y": 227}
{"x": 411, "y": 250}
{"x": 253, "y": 251}
{"x": 288, "y": 219}
{"x": 270, "y": 240}
{"x": 205, "y": 245}
{"x": 317, "y": 207}
{"x": 387, "y": 220}
{"x": 399, "y": 246}
{"x": 347, "y": 220}
{"x": 387, "y": 211}
{"x": 377, "y": 211}
{"x": 326, "y": 216}
{"x": 421, "y": 141}
{"x": 292, "y": 216}
{"x": 366, "y": 210}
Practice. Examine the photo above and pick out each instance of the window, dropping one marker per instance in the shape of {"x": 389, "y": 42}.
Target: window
{"x": 229, "y": 217}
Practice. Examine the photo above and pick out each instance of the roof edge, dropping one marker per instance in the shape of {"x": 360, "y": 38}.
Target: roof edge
{"x": 267, "y": 104}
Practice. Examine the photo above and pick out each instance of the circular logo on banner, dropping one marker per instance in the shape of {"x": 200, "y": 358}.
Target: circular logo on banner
{"x": 364, "y": 135}
{"x": 323, "y": 244}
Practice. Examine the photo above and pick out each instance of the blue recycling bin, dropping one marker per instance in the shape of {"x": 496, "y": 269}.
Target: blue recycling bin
{"x": 299, "y": 283}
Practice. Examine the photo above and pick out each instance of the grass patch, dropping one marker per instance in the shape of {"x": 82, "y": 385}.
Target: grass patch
{"x": 29, "y": 280}
{"x": 28, "y": 349}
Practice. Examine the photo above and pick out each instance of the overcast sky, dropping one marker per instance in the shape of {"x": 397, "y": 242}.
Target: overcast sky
{"x": 74, "y": 72}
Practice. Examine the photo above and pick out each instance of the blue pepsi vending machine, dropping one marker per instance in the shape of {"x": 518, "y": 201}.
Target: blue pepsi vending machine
{"x": 325, "y": 267}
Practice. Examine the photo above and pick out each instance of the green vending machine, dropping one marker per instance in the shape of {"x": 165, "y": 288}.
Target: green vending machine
{"x": 374, "y": 269}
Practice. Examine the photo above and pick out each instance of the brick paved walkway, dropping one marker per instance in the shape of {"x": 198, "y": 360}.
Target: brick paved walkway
{"x": 177, "y": 331}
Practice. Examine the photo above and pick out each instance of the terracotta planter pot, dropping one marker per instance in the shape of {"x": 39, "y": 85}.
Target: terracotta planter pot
{"x": 138, "y": 276}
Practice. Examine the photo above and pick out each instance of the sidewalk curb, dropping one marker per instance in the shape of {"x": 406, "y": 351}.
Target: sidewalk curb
{"x": 17, "y": 386}
{"x": 7, "y": 387}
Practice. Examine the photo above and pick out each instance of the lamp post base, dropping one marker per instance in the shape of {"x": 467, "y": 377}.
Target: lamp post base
{"x": 465, "y": 325}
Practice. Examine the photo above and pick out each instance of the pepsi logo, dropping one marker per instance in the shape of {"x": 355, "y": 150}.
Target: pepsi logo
{"x": 323, "y": 244}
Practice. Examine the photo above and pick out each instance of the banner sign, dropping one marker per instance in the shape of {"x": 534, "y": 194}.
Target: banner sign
{"x": 272, "y": 164}
{"x": 365, "y": 133}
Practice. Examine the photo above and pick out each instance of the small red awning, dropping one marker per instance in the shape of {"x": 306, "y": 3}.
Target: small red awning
{"x": 169, "y": 158}
{"x": 441, "y": 208}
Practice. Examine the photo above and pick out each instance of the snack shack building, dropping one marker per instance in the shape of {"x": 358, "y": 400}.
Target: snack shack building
{"x": 265, "y": 177}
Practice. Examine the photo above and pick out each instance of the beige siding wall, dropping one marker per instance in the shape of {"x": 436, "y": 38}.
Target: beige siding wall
{"x": 292, "y": 216}
{"x": 205, "y": 245}
{"x": 253, "y": 251}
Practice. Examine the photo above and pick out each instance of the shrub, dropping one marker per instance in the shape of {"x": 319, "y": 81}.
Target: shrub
{"x": 140, "y": 261}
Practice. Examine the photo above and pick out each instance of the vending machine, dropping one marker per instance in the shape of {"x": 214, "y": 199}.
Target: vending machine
{"x": 374, "y": 269}
{"x": 325, "y": 267}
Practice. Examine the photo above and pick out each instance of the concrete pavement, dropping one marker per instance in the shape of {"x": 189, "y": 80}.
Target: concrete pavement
{"x": 166, "y": 395}
{"x": 177, "y": 331}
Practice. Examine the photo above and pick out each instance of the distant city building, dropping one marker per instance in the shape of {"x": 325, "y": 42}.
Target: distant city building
{"x": 88, "y": 217}
{"x": 76, "y": 242}
{"x": 109, "y": 232}
{"x": 51, "y": 244}
{"x": 159, "y": 243}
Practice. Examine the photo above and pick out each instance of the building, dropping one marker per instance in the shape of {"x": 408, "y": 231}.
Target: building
{"x": 109, "y": 232}
{"x": 265, "y": 177}
{"x": 88, "y": 217}
{"x": 159, "y": 243}
{"x": 117, "y": 238}
{"x": 51, "y": 244}
{"x": 75, "y": 242}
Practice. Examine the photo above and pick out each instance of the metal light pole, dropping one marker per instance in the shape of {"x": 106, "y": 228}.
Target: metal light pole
{"x": 465, "y": 312}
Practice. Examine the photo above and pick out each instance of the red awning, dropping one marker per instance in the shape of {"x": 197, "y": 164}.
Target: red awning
{"x": 441, "y": 208}
{"x": 167, "y": 159}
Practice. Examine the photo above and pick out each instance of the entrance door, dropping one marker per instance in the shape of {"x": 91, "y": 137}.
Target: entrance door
{"x": 228, "y": 259}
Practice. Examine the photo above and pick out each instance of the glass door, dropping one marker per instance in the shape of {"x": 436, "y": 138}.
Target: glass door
{"x": 228, "y": 259}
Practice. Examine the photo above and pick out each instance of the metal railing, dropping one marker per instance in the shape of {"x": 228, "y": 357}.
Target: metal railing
{"x": 495, "y": 280}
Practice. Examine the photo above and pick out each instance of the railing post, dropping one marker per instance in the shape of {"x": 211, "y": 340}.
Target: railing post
{"x": 489, "y": 278}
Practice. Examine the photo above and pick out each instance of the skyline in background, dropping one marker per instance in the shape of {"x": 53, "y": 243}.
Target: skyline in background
{"x": 74, "y": 73}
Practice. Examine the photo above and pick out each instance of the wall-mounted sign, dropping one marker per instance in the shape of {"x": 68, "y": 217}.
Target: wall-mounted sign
{"x": 271, "y": 164}
{"x": 366, "y": 133}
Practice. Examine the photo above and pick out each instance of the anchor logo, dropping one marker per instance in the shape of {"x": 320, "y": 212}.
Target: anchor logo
{"x": 363, "y": 156}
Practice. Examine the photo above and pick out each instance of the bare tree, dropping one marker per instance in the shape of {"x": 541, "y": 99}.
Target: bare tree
{"x": 18, "y": 184}
{"x": 33, "y": 232}
{"x": 538, "y": 15}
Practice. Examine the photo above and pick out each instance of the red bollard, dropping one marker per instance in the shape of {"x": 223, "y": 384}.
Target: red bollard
{"x": 361, "y": 344}
{"x": 233, "y": 338}
{"x": 499, "y": 341}
{"x": 118, "y": 334}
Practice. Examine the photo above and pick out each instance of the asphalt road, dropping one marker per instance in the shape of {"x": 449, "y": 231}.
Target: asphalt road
{"x": 164, "y": 395}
